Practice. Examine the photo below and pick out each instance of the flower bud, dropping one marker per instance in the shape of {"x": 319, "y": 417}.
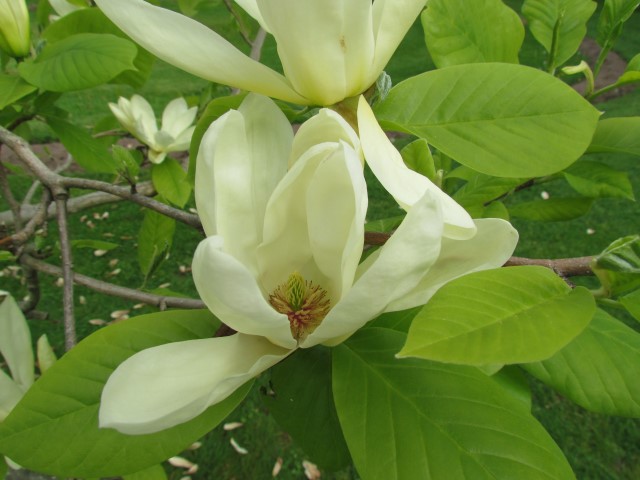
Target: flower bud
{"x": 14, "y": 27}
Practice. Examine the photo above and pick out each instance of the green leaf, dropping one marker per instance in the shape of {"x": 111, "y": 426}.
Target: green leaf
{"x": 482, "y": 189}
{"x": 599, "y": 370}
{"x": 6, "y": 256}
{"x": 558, "y": 25}
{"x": 384, "y": 225}
{"x": 12, "y": 89}
{"x": 493, "y": 210}
{"x": 4, "y": 469}
{"x": 596, "y": 180}
{"x": 170, "y": 181}
{"x": 552, "y": 210}
{"x": 304, "y": 408}
{"x": 459, "y": 32}
{"x": 501, "y": 316}
{"x": 154, "y": 241}
{"x": 94, "y": 244}
{"x": 128, "y": 162}
{"x": 414, "y": 419}
{"x": 617, "y": 135}
{"x": 632, "y": 303}
{"x": 81, "y": 61}
{"x": 155, "y": 472}
{"x": 90, "y": 153}
{"x": 417, "y": 156}
{"x": 54, "y": 429}
{"x": 400, "y": 321}
{"x": 618, "y": 266}
{"x": 612, "y": 18}
{"x": 92, "y": 20}
{"x": 215, "y": 109}
{"x": 499, "y": 119}
{"x": 631, "y": 73}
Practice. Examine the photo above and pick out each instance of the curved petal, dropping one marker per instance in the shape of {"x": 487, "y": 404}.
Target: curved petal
{"x": 405, "y": 185}
{"x": 164, "y": 386}
{"x": 251, "y": 7}
{"x": 286, "y": 246}
{"x": 491, "y": 247}
{"x": 326, "y": 47}
{"x": 145, "y": 118}
{"x": 191, "y": 46}
{"x": 241, "y": 159}
{"x": 391, "y": 22}
{"x": 230, "y": 291}
{"x": 177, "y": 117}
{"x": 326, "y": 126}
{"x": 15, "y": 341}
{"x": 10, "y": 395}
{"x": 336, "y": 210}
{"x": 389, "y": 275}
{"x": 62, "y": 7}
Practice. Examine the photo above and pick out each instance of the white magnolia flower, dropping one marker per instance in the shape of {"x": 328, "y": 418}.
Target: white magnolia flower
{"x": 284, "y": 218}
{"x": 15, "y": 31}
{"x": 65, "y": 7}
{"x": 136, "y": 116}
{"x": 330, "y": 49}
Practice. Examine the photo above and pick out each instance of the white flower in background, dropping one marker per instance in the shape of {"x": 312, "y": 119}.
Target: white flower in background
{"x": 284, "y": 218}
{"x": 330, "y": 49}
{"x": 65, "y": 7}
{"x": 15, "y": 31}
{"x": 137, "y": 117}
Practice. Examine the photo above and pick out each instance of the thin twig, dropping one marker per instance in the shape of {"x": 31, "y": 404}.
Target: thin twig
{"x": 241, "y": 26}
{"x": 258, "y": 44}
{"x": 67, "y": 273}
{"x": 563, "y": 267}
{"x": 39, "y": 217}
{"x": 5, "y": 188}
{"x": 114, "y": 290}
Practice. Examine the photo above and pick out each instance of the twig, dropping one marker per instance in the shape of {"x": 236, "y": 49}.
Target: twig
{"x": 67, "y": 272}
{"x": 33, "y": 286}
{"x": 242, "y": 28}
{"x": 114, "y": 290}
{"x": 39, "y": 217}
{"x": 563, "y": 267}
{"x": 14, "y": 205}
{"x": 257, "y": 44}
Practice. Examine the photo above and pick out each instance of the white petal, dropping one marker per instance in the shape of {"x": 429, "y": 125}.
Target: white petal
{"x": 177, "y": 117}
{"x": 336, "y": 210}
{"x": 156, "y": 157}
{"x": 251, "y": 7}
{"x": 389, "y": 275}
{"x": 145, "y": 118}
{"x": 491, "y": 247}
{"x": 326, "y": 126}
{"x": 15, "y": 341}
{"x": 326, "y": 47}
{"x": 164, "y": 386}
{"x": 405, "y": 185}
{"x": 231, "y": 292}
{"x": 391, "y": 22}
{"x": 242, "y": 158}
{"x": 189, "y": 45}
{"x": 10, "y": 395}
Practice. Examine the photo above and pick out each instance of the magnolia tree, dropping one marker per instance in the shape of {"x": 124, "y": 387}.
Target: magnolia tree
{"x": 399, "y": 345}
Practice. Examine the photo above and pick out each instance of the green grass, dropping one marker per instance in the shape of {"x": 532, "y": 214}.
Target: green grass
{"x": 599, "y": 447}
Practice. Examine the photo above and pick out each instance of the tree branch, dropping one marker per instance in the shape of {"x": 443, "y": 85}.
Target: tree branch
{"x": 563, "y": 267}
{"x": 67, "y": 273}
{"x": 159, "y": 301}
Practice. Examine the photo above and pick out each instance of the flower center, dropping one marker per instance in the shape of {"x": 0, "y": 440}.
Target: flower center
{"x": 304, "y": 303}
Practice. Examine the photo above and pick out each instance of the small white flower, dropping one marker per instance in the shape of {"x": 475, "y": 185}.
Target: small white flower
{"x": 137, "y": 117}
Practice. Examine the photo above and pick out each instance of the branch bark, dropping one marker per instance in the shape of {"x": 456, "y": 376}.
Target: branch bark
{"x": 159, "y": 301}
{"x": 67, "y": 273}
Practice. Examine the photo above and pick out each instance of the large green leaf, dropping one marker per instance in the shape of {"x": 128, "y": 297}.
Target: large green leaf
{"x": 482, "y": 189}
{"x": 617, "y": 135}
{"x": 599, "y": 370}
{"x": 499, "y": 119}
{"x": 414, "y": 419}
{"x": 459, "y": 31}
{"x": 552, "y": 210}
{"x": 54, "y": 429}
{"x": 595, "y": 179}
{"x": 12, "y": 89}
{"x": 81, "y": 61}
{"x": 612, "y": 18}
{"x": 90, "y": 153}
{"x": 92, "y": 20}
{"x": 559, "y": 25}
{"x": 500, "y": 316}
{"x": 302, "y": 403}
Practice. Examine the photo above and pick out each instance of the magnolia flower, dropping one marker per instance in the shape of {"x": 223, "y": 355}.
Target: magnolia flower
{"x": 330, "y": 49}
{"x": 136, "y": 116}
{"x": 15, "y": 33}
{"x": 65, "y": 7}
{"x": 284, "y": 218}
